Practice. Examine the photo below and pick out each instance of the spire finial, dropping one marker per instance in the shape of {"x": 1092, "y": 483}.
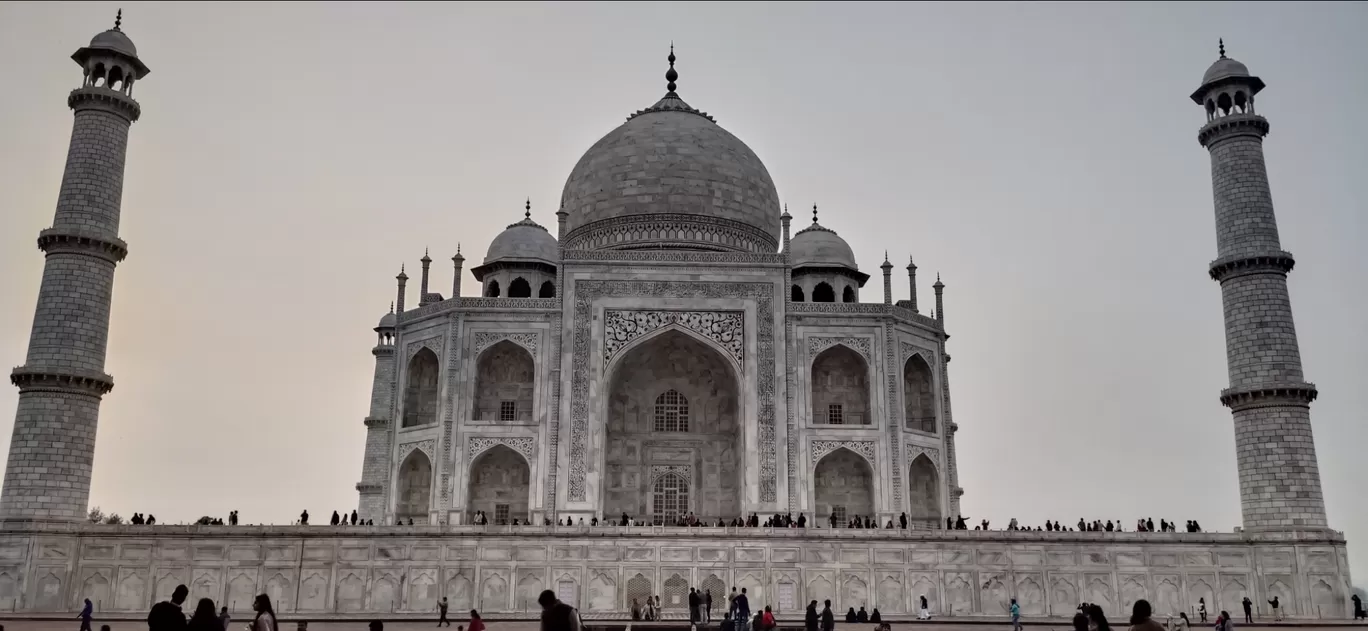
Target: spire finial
{"x": 814, "y": 213}
{"x": 458, "y": 248}
{"x": 671, "y": 75}
{"x": 391, "y": 306}
{"x": 118, "y": 19}
{"x": 527, "y": 209}
{"x": 1222, "y": 43}
{"x": 426, "y": 258}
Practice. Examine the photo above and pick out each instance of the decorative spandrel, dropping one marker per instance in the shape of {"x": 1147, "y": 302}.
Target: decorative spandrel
{"x": 727, "y": 328}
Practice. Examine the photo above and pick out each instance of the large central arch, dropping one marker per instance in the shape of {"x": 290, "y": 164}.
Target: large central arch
{"x": 672, "y": 440}
{"x": 499, "y": 481}
{"x": 843, "y": 486}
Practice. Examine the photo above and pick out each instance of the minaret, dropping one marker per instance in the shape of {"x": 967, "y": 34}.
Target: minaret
{"x": 785, "y": 219}
{"x": 423, "y": 280}
{"x": 939, "y": 287}
{"x": 888, "y": 279}
{"x": 375, "y": 463}
{"x": 912, "y": 282}
{"x": 1268, "y": 396}
{"x": 63, "y": 380}
{"x": 561, "y": 218}
{"x": 458, "y": 261}
{"x": 403, "y": 280}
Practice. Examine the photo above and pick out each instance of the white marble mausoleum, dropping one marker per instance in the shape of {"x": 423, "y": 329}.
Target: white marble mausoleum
{"x": 667, "y": 348}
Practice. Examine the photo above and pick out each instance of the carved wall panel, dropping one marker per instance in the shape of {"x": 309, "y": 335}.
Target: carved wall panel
{"x": 860, "y": 345}
{"x": 484, "y": 339}
{"x": 727, "y": 328}
{"x": 479, "y": 444}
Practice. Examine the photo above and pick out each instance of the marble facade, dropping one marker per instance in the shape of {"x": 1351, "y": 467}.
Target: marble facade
{"x": 322, "y": 570}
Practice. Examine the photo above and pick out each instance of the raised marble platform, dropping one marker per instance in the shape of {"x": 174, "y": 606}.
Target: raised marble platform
{"x": 338, "y": 571}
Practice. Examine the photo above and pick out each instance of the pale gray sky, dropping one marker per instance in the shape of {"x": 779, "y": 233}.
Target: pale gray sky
{"x": 1042, "y": 157}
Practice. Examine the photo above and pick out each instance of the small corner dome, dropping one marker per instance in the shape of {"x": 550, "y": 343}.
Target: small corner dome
{"x": 524, "y": 241}
{"x": 817, "y": 246}
{"x": 115, "y": 40}
{"x": 389, "y": 321}
{"x": 1224, "y": 68}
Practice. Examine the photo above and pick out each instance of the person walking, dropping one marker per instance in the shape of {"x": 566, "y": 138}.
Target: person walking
{"x": 742, "y": 607}
{"x": 1277, "y": 612}
{"x": 556, "y": 615}
{"x": 224, "y": 619}
{"x": 1016, "y": 615}
{"x": 828, "y": 618}
{"x": 694, "y": 602}
{"x": 1248, "y": 609}
{"x": 442, "y": 613}
{"x": 86, "y": 613}
{"x": 167, "y": 614}
{"x": 265, "y": 619}
{"x": 1359, "y": 613}
{"x": 924, "y": 612}
{"x": 810, "y": 617}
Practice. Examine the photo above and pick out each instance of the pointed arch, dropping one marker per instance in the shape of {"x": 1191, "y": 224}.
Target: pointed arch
{"x": 505, "y": 383}
{"x": 548, "y": 290}
{"x": 500, "y": 485}
{"x": 796, "y": 294}
{"x": 709, "y": 406}
{"x": 669, "y": 498}
{"x": 923, "y": 493}
{"x": 843, "y": 486}
{"x": 840, "y": 387}
{"x": 823, "y": 293}
{"x": 420, "y": 392}
{"x": 492, "y": 289}
{"x": 848, "y": 294}
{"x": 919, "y": 401}
{"x": 414, "y": 495}
{"x": 519, "y": 288}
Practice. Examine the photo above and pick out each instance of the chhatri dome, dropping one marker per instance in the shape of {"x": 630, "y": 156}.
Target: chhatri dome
{"x": 525, "y": 241}
{"x": 671, "y": 178}
{"x": 819, "y": 246}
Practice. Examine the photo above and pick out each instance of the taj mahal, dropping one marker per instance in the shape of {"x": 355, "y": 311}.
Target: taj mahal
{"x": 670, "y": 347}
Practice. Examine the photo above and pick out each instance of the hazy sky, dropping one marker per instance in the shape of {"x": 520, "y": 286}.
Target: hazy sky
{"x": 1043, "y": 158}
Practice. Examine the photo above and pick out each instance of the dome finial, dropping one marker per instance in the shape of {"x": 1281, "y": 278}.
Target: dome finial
{"x": 814, "y": 213}
{"x": 527, "y": 209}
{"x": 671, "y": 75}
{"x": 1222, "y": 44}
{"x": 118, "y": 19}
{"x": 391, "y": 306}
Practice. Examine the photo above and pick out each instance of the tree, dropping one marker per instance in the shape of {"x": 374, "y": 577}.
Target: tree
{"x": 113, "y": 519}
{"x": 96, "y": 515}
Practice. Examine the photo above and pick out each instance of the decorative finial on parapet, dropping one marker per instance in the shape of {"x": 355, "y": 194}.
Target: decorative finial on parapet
{"x": 118, "y": 19}
{"x": 527, "y": 209}
{"x": 1222, "y": 47}
{"x": 671, "y": 75}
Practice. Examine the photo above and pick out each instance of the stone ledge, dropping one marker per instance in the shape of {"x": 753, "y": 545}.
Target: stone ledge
{"x": 376, "y": 422}
{"x": 62, "y": 380}
{"x": 109, "y": 248}
{"x": 104, "y": 99}
{"x": 1243, "y": 264}
{"x": 1269, "y": 395}
{"x": 1232, "y": 125}
{"x": 365, "y": 488}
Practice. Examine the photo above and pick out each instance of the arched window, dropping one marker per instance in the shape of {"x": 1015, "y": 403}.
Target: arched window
{"x": 796, "y": 294}
{"x": 415, "y": 488}
{"x": 519, "y": 288}
{"x": 823, "y": 293}
{"x": 420, "y": 393}
{"x": 505, "y": 376}
{"x": 671, "y": 412}
{"x": 548, "y": 290}
{"x": 919, "y": 404}
{"x": 669, "y": 498}
{"x": 492, "y": 290}
{"x": 848, "y": 295}
{"x": 840, "y": 387}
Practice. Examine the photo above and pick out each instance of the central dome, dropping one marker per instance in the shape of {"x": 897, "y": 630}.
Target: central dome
{"x": 671, "y": 178}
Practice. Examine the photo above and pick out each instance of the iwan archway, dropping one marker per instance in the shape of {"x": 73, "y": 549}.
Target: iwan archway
{"x": 673, "y": 442}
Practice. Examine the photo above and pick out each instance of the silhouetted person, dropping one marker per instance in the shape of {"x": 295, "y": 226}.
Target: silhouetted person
{"x": 850, "y": 615}
{"x": 476, "y": 622}
{"x": 693, "y": 606}
{"x": 741, "y": 607}
{"x": 1140, "y": 615}
{"x": 205, "y": 618}
{"x": 874, "y": 616}
{"x": 86, "y": 613}
{"x": 376, "y": 625}
{"x": 442, "y": 613}
{"x": 1097, "y": 618}
{"x": 304, "y": 518}
{"x": 335, "y": 519}
{"x": 224, "y": 619}
{"x": 1359, "y": 613}
{"x": 556, "y": 615}
{"x": 1201, "y": 609}
{"x": 1249, "y": 609}
{"x": 353, "y": 518}
{"x": 902, "y": 521}
{"x": 151, "y": 520}
{"x": 828, "y": 618}
{"x": 960, "y": 524}
{"x": 1080, "y": 619}
{"x": 167, "y": 614}
{"x": 1277, "y": 613}
{"x": 707, "y": 605}
{"x": 861, "y": 615}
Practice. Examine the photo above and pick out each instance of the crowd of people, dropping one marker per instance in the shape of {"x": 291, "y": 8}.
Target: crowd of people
{"x": 1097, "y": 525}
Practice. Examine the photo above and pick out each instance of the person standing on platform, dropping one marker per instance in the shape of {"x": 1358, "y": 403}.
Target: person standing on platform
{"x": 86, "y": 613}
{"x": 707, "y": 607}
{"x": 1277, "y": 612}
{"x": 810, "y": 618}
{"x": 167, "y": 614}
{"x": 442, "y": 613}
{"x": 1016, "y": 615}
{"x": 1248, "y": 609}
{"x": 693, "y": 606}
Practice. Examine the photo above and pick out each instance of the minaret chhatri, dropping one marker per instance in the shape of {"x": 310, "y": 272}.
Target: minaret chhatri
{"x": 1269, "y": 398}
{"x": 63, "y": 380}
{"x": 375, "y": 469}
